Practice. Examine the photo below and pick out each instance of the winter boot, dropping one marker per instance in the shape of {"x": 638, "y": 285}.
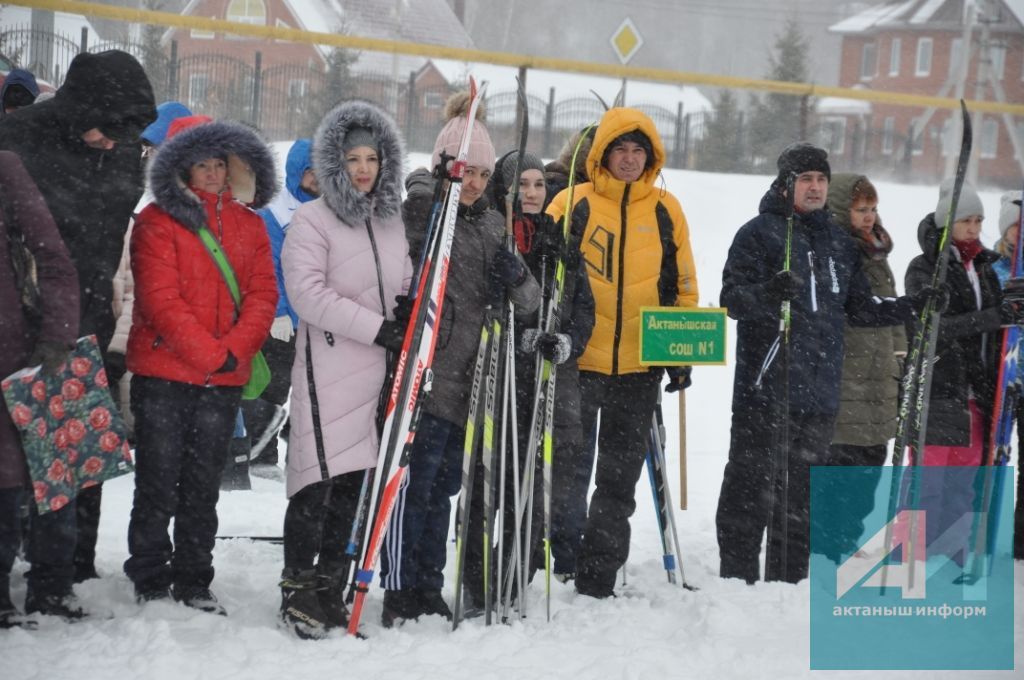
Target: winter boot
{"x": 49, "y": 604}
{"x": 199, "y": 597}
{"x": 301, "y": 612}
{"x": 432, "y": 602}
{"x": 332, "y": 593}
{"x": 400, "y": 606}
{"x": 10, "y": 617}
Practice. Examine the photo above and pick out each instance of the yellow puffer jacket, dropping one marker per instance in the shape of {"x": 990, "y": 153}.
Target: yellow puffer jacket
{"x": 636, "y": 244}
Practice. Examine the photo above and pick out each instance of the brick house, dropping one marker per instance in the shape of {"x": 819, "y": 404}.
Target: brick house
{"x": 915, "y": 46}
{"x": 270, "y": 82}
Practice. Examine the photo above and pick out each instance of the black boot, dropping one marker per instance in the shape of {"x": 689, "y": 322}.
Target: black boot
{"x": 301, "y": 612}
{"x": 10, "y": 617}
{"x": 51, "y": 604}
{"x": 432, "y": 602}
{"x": 333, "y": 580}
{"x": 198, "y": 597}
{"x": 400, "y": 606}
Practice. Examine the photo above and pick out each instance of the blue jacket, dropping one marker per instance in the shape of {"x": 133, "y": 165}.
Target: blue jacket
{"x": 278, "y": 215}
{"x": 835, "y": 290}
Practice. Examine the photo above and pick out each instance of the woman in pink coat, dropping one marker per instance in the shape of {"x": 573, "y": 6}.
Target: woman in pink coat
{"x": 345, "y": 260}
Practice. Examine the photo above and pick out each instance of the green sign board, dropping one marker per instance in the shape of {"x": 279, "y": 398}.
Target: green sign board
{"x": 680, "y": 336}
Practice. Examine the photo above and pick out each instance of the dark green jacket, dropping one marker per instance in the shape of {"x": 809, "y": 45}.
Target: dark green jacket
{"x": 871, "y": 369}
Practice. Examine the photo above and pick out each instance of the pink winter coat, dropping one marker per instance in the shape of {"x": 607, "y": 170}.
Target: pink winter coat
{"x": 344, "y": 260}
{"x": 332, "y": 281}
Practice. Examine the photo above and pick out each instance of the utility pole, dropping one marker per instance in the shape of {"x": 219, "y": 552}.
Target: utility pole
{"x": 984, "y": 71}
{"x": 969, "y": 15}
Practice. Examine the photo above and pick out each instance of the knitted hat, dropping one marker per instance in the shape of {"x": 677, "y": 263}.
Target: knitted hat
{"x": 802, "y": 157}
{"x": 969, "y": 203}
{"x": 481, "y": 150}
{"x": 1009, "y": 211}
{"x": 508, "y": 167}
{"x": 360, "y": 136}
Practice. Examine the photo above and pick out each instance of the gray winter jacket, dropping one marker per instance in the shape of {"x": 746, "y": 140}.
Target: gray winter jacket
{"x": 479, "y": 233}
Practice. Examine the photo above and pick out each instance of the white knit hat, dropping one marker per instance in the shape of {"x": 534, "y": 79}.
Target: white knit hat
{"x": 969, "y": 203}
{"x": 1009, "y": 211}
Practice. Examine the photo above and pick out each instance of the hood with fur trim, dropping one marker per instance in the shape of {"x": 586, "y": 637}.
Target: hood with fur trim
{"x": 251, "y": 173}
{"x": 336, "y": 188}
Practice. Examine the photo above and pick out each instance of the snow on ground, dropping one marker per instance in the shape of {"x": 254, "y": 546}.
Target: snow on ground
{"x": 653, "y": 630}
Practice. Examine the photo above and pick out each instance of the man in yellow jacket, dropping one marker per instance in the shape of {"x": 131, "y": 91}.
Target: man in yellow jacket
{"x": 636, "y": 244}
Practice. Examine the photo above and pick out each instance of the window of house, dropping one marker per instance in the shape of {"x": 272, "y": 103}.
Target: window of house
{"x": 924, "y": 57}
{"x": 832, "y": 135}
{"x": 246, "y": 12}
{"x": 197, "y": 85}
{"x": 917, "y": 143}
{"x": 432, "y": 100}
{"x": 894, "y": 56}
{"x": 868, "y": 61}
{"x": 989, "y": 138}
{"x": 297, "y": 89}
{"x": 997, "y": 55}
{"x": 199, "y": 34}
{"x": 888, "y": 126}
{"x": 1020, "y": 140}
{"x": 956, "y": 48}
{"x": 949, "y": 144}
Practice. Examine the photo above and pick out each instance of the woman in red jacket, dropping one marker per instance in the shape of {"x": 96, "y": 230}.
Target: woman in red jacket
{"x": 190, "y": 348}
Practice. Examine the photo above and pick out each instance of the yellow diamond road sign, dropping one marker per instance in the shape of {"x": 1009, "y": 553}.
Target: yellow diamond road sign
{"x": 626, "y": 40}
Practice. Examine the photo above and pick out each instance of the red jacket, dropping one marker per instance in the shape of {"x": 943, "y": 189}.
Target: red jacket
{"x": 184, "y": 322}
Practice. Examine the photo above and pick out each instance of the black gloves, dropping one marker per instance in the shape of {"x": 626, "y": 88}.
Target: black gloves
{"x": 115, "y": 365}
{"x": 403, "y": 308}
{"x": 506, "y": 269}
{"x": 919, "y": 299}
{"x": 678, "y": 378}
{"x": 230, "y": 364}
{"x": 391, "y": 335}
{"x": 555, "y": 347}
{"x": 552, "y": 241}
{"x": 51, "y": 355}
{"x": 1011, "y": 310}
{"x": 784, "y": 286}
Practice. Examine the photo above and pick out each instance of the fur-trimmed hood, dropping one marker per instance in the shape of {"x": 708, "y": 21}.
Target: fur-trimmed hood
{"x": 336, "y": 188}
{"x": 251, "y": 173}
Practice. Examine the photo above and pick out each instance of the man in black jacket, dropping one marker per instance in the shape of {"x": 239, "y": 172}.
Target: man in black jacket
{"x": 825, "y": 286}
{"x": 82, "y": 149}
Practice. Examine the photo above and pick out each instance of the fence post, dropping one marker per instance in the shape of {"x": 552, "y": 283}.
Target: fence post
{"x": 686, "y": 141}
{"x": 677, "y": 145}
{"x": 257, "y": 77}
{"x": 804, "y": 106}
{"x": 83, "y": 45}
{"x": 410, "y": 108}
{"x": 549, "y": 120}
{"x": 172, "y": 72}
{"x": 740, "y": 155}
{"x": 908, "y": 152}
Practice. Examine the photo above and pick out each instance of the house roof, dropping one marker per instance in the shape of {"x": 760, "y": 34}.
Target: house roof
{"x": 897, "y": 14}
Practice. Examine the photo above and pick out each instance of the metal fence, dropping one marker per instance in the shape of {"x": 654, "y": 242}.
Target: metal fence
{"x": 286, "y": 100}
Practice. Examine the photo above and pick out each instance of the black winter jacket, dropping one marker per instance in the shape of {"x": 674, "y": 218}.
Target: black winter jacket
{"x": 967, "y": 354}
{"x": 91, "y": 193}
{"x": 835, "y": 289}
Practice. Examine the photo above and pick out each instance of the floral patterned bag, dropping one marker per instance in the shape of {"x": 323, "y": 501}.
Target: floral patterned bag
{"x": 73, "y": 435}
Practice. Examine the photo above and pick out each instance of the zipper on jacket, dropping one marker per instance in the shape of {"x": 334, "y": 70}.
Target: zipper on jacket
{"x": 157, "y": 341}
{"x": 621, "y": 282}
{"x": 380, "y": 273}
{"x": 814, "y": 285}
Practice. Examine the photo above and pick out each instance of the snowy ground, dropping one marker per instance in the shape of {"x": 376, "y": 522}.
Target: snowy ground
{"x": 653, "y": 630}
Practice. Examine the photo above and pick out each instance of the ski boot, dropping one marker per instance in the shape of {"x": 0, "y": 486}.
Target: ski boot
{"x": 301, "y": 612}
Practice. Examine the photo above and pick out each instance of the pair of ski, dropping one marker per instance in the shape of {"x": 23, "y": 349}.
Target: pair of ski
{"x": 912, "y": 422}
{"x": 412, "y": 373}
{"x": 494, "y": 364}
{"x": 997, "y": 457}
